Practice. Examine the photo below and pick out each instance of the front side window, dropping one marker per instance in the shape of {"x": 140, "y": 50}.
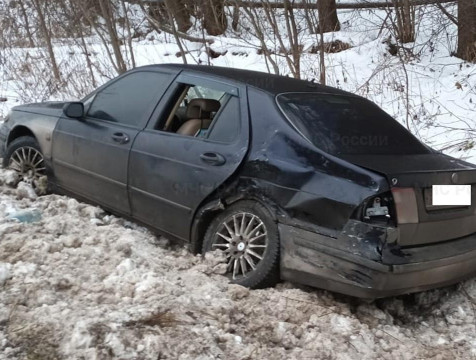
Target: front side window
{"x": 130, "y": 98}
{"x": 347, "y": 125}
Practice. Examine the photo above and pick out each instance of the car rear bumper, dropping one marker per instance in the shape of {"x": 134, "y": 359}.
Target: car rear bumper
{"x": 323, "y": 262}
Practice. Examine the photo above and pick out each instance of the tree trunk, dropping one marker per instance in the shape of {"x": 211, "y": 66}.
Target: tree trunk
{"x": 180, "y": 12}
{"x": 77, "y": 32}
{"x": 47, "y": 37}
{"x": 310, "y": 17}
{"x": 405, "y": 14}
{"x": 214, "y": 18}
{"x": 236, "y": 18}
{"x": 293, "y": 34}
{"x": 27, "y": 24}
{"x": 322, "y": 59}
{"x": 108, "y": 17}
{"x": 158, "y": 11}
{"x": 129, "y": 33}
{"x": 467, "y": 30}
{"x": 328, "y": 20}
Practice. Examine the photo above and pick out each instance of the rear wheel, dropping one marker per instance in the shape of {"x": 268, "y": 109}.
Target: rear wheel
{"x": 249, "y": 237}
{"x": 24, "y": 156}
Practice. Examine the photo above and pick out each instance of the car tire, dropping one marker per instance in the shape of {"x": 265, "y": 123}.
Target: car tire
{"x": 24, "y": 156}
{"x": 249, "y": 236}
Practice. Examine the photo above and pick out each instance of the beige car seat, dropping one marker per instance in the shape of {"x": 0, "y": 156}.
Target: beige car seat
{"x": 199, "y": 112}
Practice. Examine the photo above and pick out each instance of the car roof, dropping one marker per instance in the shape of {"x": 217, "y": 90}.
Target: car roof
{"x": 273, "y": 84}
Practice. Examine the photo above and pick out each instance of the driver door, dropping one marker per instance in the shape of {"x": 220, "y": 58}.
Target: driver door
{"x": 91, "y": 155}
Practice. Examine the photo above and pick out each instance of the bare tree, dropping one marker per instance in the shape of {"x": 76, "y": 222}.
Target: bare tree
{"x": 467, "y": 30}
{"x": 179, "y": 11}
{"x": 47, "y": 37}
{"x": 236, "y": 17}
{"x": 312, "y": 21}
{"x": 214, "y": 18}
{"x": 293, "y": 54}
{"x": 108, "y": 35}
{"x": 77, "y": 32}
{"x": 294, "y": 44}
{"x": 405, "y": 21}
{"x": 26, "y": 22}
{"x": 322, "y": 60}
{"x": 127, "y": 25}
{"x": 328, "y": 20}
{"x": 274, "y": 41}
{"x": 107, "y": 13}
{"x": 259, "y": 33}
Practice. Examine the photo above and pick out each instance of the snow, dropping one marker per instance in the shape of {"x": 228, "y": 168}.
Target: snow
{"x": 75, "y": 288}
{"x": 4, "y": 272}
{"x": 425, "y": 87}
{"x": 79, "y": 283}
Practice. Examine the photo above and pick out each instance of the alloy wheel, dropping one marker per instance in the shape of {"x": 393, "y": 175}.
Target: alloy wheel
{"x": 244, "y": 239}
{"x": 29, "y": 164}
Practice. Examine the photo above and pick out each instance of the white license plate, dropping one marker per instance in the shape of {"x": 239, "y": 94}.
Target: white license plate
{"x": 451, "y": 195}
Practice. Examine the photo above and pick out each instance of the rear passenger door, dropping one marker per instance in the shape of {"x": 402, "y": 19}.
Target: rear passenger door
{"x": 170, "y": 174}
{"x": 91, "y": 155}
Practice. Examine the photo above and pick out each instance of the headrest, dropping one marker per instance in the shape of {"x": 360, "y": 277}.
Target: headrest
{"x": 201, "y": 108}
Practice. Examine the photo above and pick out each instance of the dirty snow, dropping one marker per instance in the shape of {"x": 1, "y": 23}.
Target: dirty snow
{"x": 82, "y": 284}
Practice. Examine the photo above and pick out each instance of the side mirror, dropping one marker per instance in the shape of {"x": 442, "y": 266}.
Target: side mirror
{"x": 74, "y": 110}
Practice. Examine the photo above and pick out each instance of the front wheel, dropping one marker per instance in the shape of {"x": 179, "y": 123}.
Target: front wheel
{"x": 24, "y": 156}
{"x": 249, "y": 237}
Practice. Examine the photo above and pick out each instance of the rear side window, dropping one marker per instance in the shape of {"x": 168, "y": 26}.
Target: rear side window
{"x": 227, "y": 124}
{"x": 129, "y": 99}
{"x": 346, "y": 125}
{"x": 202, "y": 92}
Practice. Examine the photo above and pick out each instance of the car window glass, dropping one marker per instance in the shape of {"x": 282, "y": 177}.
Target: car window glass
{"x": 347, "y": 125}
{"x": 226, "y": 126}
{"x": 194, "y": 110}
{"x": 126, "y": 100}
{"x": 88, "y": 102}
{"x": 203, "y": 93}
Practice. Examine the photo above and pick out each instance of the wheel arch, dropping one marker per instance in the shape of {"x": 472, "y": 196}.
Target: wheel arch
{"x": 213, "y": 207}
{"x": 19, "y": 131}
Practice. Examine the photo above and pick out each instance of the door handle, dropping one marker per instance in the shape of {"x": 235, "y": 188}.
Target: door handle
{"x": 213, "y": 158}
{"x": 120, "y": 138}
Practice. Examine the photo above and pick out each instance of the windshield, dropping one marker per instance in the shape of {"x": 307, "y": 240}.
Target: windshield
{"x": 347, "y": 125}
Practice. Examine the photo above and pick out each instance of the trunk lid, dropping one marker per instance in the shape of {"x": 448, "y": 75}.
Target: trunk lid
{"x": 420, "y": 172}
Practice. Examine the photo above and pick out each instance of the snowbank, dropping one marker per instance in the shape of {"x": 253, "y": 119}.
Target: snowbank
{"x": 79, "y": 283}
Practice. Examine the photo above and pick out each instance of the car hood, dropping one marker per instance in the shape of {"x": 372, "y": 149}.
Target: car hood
{"x": 420, "y": 169}
{"x": 50, "y": 108}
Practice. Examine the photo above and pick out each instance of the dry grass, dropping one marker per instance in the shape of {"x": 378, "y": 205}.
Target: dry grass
{"x": 158, "y": 318}
{"x": 330, "y": 47}
{"x": 34, "y": 342}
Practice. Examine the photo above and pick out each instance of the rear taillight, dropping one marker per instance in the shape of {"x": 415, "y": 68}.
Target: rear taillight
{"x": 378, "y": 209}
{"x": 405, "y": 205}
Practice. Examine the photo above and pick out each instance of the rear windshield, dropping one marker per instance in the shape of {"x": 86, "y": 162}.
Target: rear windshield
{"x": 346, "y": 125}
